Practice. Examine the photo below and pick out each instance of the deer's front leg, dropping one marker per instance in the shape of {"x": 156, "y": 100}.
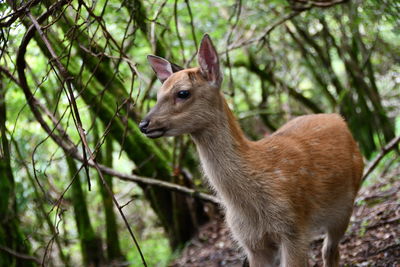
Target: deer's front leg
{"x": 294, "y": 252}
{"x": 268, "y": 256}
{"x": 262, "y": 251}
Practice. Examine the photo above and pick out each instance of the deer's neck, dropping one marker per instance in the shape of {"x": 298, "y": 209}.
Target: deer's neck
{"x": 222, "y": 147}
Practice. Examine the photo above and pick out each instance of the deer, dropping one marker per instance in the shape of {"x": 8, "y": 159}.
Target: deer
{"x": 277, "y": 193}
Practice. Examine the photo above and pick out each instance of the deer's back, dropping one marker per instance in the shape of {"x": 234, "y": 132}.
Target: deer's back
{"x": 314, "y": 164}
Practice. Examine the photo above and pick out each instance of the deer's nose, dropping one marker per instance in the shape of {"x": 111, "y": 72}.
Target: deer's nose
{"x": 143, "y": 125}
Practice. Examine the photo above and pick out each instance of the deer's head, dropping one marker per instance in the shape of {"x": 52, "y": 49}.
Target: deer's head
{"x": 188, "y": 98}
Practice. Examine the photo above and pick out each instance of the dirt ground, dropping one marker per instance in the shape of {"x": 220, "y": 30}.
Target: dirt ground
{"x": 372, "y": 239}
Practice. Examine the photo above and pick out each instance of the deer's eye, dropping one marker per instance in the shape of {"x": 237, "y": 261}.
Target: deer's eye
{"x": 183, "y": 94}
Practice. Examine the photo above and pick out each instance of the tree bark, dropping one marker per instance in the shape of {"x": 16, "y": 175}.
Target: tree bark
{"x": 105, "y": 156}
{"x": 11, "y": 236}
{"x": 91, "y": 247}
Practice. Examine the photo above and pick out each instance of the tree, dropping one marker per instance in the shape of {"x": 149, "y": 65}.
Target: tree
{"x": 14, "y": 246}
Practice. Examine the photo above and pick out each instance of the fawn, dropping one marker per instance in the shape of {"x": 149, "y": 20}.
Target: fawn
{"x": 277, "y": 192}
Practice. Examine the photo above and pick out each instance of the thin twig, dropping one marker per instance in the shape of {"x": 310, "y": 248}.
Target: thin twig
{"x": 177, "y": 30}
{"x": 191, "y": 24}
{"x": 238, "y": 11}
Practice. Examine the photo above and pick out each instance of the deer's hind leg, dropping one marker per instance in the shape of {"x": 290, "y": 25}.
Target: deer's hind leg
{"x": 330, "y": 248}
{"x": 334, "y": 233}
{"x": 266, "y": 255}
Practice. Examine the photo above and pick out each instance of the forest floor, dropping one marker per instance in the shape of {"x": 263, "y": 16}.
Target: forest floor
{"x": 372, "y": 239}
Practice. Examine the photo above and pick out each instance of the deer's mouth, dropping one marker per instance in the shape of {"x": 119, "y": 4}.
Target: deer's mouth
{"x": 155, "y": 133}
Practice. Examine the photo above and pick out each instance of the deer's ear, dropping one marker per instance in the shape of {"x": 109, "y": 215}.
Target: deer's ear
{"x": 209, "y": 61}
{"x": 162, "y": 67}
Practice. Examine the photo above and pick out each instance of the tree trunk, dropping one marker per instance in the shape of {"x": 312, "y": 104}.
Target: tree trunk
{"x": 90, "y": 243}
{"x": 11, "y": 237}
{"x": 105, "y": 156}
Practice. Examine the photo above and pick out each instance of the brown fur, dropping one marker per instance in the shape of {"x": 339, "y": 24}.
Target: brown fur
{"x": 277, "y": 192}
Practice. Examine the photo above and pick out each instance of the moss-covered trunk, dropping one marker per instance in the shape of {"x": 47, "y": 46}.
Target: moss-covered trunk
{"x": 105, "y": 156}
{"x": 11, "y": 236}
{"x": 90, "y": 243}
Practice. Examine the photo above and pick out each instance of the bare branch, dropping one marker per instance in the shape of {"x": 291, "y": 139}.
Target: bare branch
{"x": 306, "y": 4}
{"x": 385, "y": 150}
{"x": 20, "y": 255}
{"x": 17, "y": 13}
